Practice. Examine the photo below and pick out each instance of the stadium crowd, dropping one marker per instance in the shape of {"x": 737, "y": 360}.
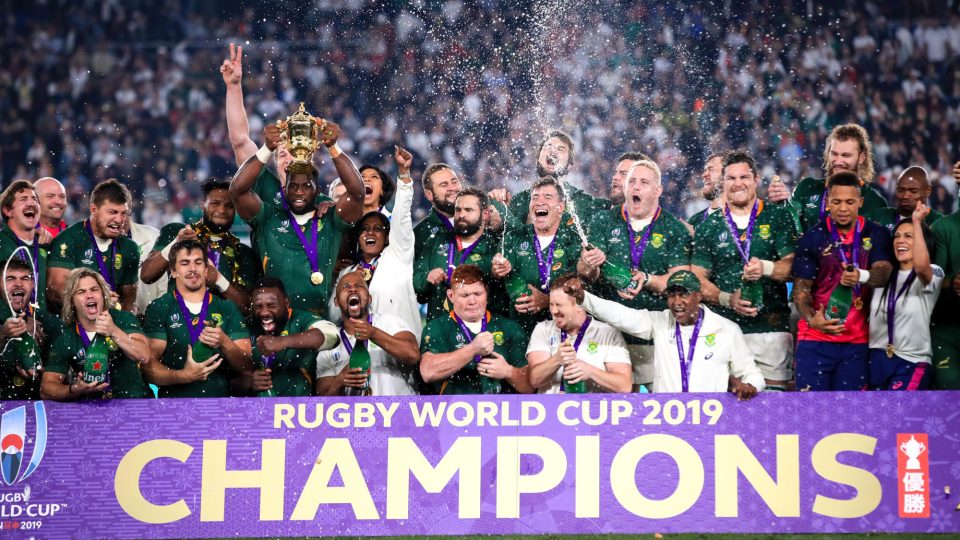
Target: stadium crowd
{"x": 580, "y": 260}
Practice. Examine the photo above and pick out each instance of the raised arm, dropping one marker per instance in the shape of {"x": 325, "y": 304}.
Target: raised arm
{"x": 349, "y": 207}
{"x": 238, "y": 129}
{"x": 636, "y": 322}
{"x": 248, "y": 203}
{"x": 921, "y": 256}
{"x": 401, "y": 226}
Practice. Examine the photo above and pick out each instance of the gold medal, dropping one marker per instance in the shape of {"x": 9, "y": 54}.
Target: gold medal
{"x": 858, "y": 303}
{"x": 367, "y": 274}
{"x": 446, "y": 305}
{"x": 18, "y": 380}
{"x": 316, "y": 278}
{"x": 890, "y": 350}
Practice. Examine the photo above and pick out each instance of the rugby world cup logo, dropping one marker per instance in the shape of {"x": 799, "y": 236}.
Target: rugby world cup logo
{"x": 13, "y": 443}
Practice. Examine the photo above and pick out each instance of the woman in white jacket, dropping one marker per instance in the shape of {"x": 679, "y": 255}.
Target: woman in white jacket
{"x": 384, "y": 254}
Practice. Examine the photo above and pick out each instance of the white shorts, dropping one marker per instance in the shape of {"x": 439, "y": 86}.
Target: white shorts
{"x": 773, "y": 352}
{"x": 641, "y": 356}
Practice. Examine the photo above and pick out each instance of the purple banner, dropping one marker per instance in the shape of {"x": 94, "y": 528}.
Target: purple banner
{"x": 802, "y": 462}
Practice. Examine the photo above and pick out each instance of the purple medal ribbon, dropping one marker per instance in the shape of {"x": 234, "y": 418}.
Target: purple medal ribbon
{"x": 466, "y": 331}
{"x": 107, "y": 275}
{"x": 742, "y": 247}
{"x": 83, "y": 337}
{"x": 371, "y": 266}
{"x": 453, "y": 246}
{"x": 266, "y": 361}
{"x": 854, "y": 249}
{"x": 195, "y": 329}
{"x": 214, "y": 256}
{"x": 637, "y": 248}
{"x": 685, "y": 361}
{"x": 309, "y": 247}
{"x": 544, "y": 269}
{"x": 444, "y": 220}
{"x": 892, "y": 301}
{"x": 823, "y": 203}
{"x": 576, "y": 342}
{"x": 345, "y": 339}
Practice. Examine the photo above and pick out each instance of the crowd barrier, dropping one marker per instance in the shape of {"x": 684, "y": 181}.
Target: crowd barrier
{"x": 798, "y": 462}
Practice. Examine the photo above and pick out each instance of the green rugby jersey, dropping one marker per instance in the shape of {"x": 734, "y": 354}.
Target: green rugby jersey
{"x": 890, "y": 218}
{"x": 12, "y": 385}
{"x": 434, "y": 255}
{"x": 775, "y": 236}
{"x": 238, "y": 263}
{"x": 9, "y": 242}
{"x": 807, "y": 201}
{"x": 164, "y": 320}
{"x": 126, "y": 378}
{"x": 443, "y": 335}
{"x": 73, "y": 249}
{"x": 292, "y": 370}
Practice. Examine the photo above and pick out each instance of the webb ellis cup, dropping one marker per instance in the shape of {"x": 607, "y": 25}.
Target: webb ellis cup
{"x": 300, "y": 131}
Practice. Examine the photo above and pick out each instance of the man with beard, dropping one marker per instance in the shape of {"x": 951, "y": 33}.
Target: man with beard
{"x": 838, "y": 264}
{"x": 743, "y": 255}
{"x": 555, "y": 156}
{"x": 642, "y": 237}
{"x": 913, "y": 186}
{"x": 88, "y": 322}
{"x": 285, "y": 342}
{"x": 848, "y": 148}
{"x": 53, "y": 204}
{"x": 620, "y": 175}
{"x": 391, "y": 346}
{"x": 696, "y": 349}
{"x": 98, "y": 243}
{"x": 16, "y": 380}
{"x": 296, "y": 241}
{"x": 572, "y": 348}
{"x": 21, "y": 213}
{"x": 470, "y": 351}
{"x": 440, "y": 186}
{"x": 469, "y": 244}
{"x": 536, "y": 252}
{"x": 189, "y": 314}
{"x": 712, "y": 189}
{"x": 233, "y": 265}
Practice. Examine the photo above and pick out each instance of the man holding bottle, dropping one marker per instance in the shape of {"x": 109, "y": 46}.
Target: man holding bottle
{"x": 838, "y": 263}
{"x": 192, "y": 331}
{"x": 644, "y": 242}
{"x": 742, "y": 255}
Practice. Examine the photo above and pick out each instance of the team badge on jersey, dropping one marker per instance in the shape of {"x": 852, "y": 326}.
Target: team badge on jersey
{"x": 593, "y": 347}
{"x": 475, "y": 257}
{"x": 710, "y": 340}
{"x": 498, "y": 338}
{"x": 656, "y": 240}
{"x": 559, "y": 252}
{"x": 118, "y": 261}
{"x": 63, "y": 250}
{"x": 765, "y": 231}
{"x": 867, "y": 244}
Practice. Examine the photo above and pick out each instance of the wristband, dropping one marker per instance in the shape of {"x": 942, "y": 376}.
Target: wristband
{"x": 263, "y": 154}
{"x": 165, "y": 252}
{"x": 222, "y": 284}
{"x": 864, "y": 276}
{"x": 724, "y": 299}
{"x": 767, "y": 267}
{"x": 334, "y": 150}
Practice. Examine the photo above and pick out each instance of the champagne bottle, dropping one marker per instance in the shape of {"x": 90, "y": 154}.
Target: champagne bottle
{"x": 516, "y": 286}
{"x": 360, "y": 358}
{"x": 620, "y": 276}
{"x": 201, "y": 351}
{"x": 575, "y": 388}
{"x": 96, "y": 363}
{"x": 263, "y": 365}
{"x": 839, "y": 304}
{"x": 752, "y": 291}
{"x": 489, "y": 385}
{"x": 28, "y": 351}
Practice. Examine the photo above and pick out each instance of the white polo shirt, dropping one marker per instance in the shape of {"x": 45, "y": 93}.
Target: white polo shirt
{"x": 601, "y": 345}
{"x": 388, "y": 376}
{"x": 720, "y": 350}
{"x": 911, "y": 331}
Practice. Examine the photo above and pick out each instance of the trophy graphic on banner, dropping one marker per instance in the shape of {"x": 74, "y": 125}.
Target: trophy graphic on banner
{"x": 301, "y": 132}
{"x": 913, "y": 448}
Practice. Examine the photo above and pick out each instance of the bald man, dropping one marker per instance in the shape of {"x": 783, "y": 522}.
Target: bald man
{"x": 53, "y": 204}
{"x": 913, "y": 186}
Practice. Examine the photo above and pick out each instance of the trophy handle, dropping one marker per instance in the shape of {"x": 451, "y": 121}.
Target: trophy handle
{"x": 282, "y": 125}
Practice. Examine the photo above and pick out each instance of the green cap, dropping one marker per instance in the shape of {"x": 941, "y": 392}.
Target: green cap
{"x": 684, "y": 279}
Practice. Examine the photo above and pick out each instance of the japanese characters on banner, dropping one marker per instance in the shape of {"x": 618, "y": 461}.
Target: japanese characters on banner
{"x": 804, "y": 462}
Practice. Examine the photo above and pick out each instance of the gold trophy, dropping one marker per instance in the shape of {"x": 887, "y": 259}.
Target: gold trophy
{"x": 301, "y": 132}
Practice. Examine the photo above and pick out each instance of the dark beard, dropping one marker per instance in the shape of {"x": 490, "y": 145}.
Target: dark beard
{"x": 213, "y": 227}
{"x": 447, "y": 208}
{"x": 466, "y": 229}
{"x": 558, "y": 173}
